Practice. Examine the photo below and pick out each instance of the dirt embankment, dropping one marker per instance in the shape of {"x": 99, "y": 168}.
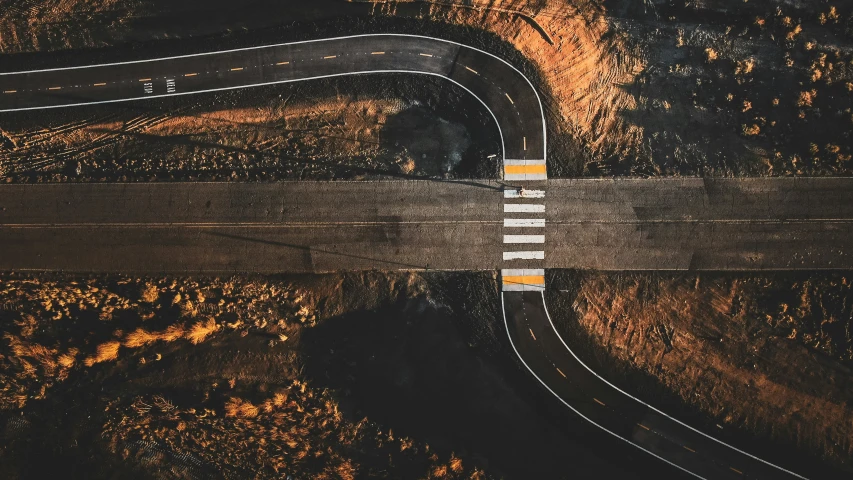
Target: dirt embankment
{"x": 378, "y": 125}
{"x": 341, "y": 376}
{"x": 771, "y": 354}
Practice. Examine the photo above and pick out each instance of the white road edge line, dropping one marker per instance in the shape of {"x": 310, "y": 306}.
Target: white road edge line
{"x": 506, "y": 326}
{"x": 538, "y": 99}
{"x": 547, "y": 314}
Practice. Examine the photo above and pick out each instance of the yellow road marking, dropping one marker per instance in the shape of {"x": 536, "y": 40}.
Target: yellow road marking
{"x": 377, "y": 53}
{"x": 640, "y": 424}
{"x": 236, "y": 69}
{"x": 330, "y": 56}
{"x": 531, "y": 334}
{"x": 190, "y": 74}
{"x": 689, "y": 449}
{"x": 509, "y": 98}
{"x": 426, "y": 54}
{"x": 599, "y": 402}
{"x": 525, "y": 143}
{"x": 471, "y": 70}
{"x": 524, "y": 280}
{"x": 99, "y": 84}
{"x": 524, "y": 169}
{"x": 54, "y": 88}
{"x": 283, "y": 63}
{"x": 561, "y": 373}
{"x": 736, "y": 470}
{"x": 10, "y": 91}
{"x": 144, "y": 79}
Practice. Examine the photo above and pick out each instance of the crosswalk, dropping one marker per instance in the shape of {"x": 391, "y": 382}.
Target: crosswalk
{"x": 524, "y": 230}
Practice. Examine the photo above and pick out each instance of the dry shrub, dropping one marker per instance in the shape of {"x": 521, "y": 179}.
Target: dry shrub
{"x": 140, "y": 338}
{"x": 751, "y": 130}
{"x": 106, "y": 352}
{"x": 455, "y": 464}
{"x": 710, "y": 54}
{"x": 201, "y": 330}
{"x": 806, "y": 98}
{"x": 239, "y": 408}
{"x": 150, "y": 293}
{"x": 173, "y": 332}
{"x": 67, "y": 360}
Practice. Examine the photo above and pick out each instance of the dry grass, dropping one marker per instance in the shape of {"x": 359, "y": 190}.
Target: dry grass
{"x": 201, "y": 330}
{"x": 106, "y": 352}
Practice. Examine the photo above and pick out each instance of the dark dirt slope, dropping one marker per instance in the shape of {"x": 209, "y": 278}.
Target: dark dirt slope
{"x": 352, "y": 376}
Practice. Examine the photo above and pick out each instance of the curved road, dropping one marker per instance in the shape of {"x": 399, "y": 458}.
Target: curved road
{"x": 517, "y": 110}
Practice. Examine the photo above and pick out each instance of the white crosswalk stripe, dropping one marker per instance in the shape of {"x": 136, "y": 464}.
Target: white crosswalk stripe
{"x": 524, "y": 238}
{"x": 523, "y": 208}
{"x": 524, "y": 222}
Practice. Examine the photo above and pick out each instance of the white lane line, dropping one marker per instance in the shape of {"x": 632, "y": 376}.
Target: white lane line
{"x": 329, "y": 57}
{"x": 283, "y": 63}
{"x": 55, "y": 88}
{"x": 471, "y": 70}
{"x": 236, "y": 69}
{"x": 524, "y": 238}
{"x": 524, "y": 223}
{"x": 523, "y": 208}
{"x": 99, "y": 84}
{"x": 10, "y": 91}
{"x": 509, "y": 98}
{"x": 511, "y": 193}
{"x": 525, "y": 144}
{"x": 426, "y": 54}
{"x": 524, "y": 256}
{"x": 190, "y": 74}
{"x": 531, "y": 334}
{"x": 377, "y": 53}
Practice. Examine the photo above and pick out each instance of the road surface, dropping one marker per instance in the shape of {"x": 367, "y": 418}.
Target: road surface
{"x": 663, "y": 224}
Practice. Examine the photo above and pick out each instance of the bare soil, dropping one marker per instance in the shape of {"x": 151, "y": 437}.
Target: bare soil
{"x": 766, "y": 357}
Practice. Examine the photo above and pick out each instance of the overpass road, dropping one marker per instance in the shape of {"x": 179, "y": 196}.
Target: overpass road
{"x": 651, "y": 224}
{"x": 663, "y": 224}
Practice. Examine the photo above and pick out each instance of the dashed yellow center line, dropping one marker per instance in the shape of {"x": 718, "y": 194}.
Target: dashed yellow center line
{"x": 190, "y": 74}
{"x": 283, "y": 63}
{"x": 55, "y": 88}
{"x": 471, "y": 70}
{"x": 561, "y": 373}
{"x": 426, "y": 54}
{"x": 10, "y": 91}
{"x": 377, "y": 53}
{"x": 643, "y": 426}
{"x": 509, "y": 98}
{"x": 144, "y": 79}
{"x": 736, "y": 470}
{"x": 599, "y": 402}
{"x": 330, "y": 56}
{"x": 236, "y": 69}
{"x": 689, "y": 449}
{"x": 531, "y": 333}
{"x": 99, "y": 84}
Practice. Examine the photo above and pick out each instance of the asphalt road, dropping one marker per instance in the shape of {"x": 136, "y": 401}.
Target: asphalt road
{"x": 663, "y": 224}
{"x": 550, "y": 360}
{"x": 505, "y": 92}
